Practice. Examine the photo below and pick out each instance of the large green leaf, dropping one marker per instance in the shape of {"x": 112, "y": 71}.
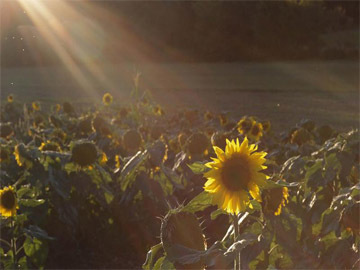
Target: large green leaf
{"x": 37, "y": 250}
{"x": 199, "y": 203}
{"x": 151, "y": 255}
{"x": 198, "y": 167}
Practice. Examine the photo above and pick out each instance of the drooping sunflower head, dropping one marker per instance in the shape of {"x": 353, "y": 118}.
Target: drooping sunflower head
{"x": 132, "y": 140}
{"x": 68, "y": 108}
{"x": 182, "y": 228}
{"x": 223, "y": 119}
{"x": 301, "y": 136}
{"x": 197, "y": 144}
{"x": 219, "y": 139}
{"x": 107, "y": 99}
{"x": 245, "y": 124}
{"x": 235, "y": 172}
{"x": 256, "y": 131}
{"x": 6, "y": 131}
{"x": 56, "y": 108}
{"x": 4, "y": 155}
{"x": 36, "y": 106}
{"x": 10, "y": 98}
{"x": 22, "y": 157}
{"x": 8, "y": 202}
{"x": 274, "y": 199}
{"x": 325, "y": 132}
{"x": 309, "y": 125}
{"x": 38, "y": 121}
{"x": 84, "y": 153}
{"x": 85, "y": 125}
{"x": 266, "y": 126}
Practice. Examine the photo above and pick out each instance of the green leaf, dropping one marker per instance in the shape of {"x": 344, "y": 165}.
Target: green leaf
{"x": 133, "y": 163}
{"x": 24, "y": 191}
{"x": 150, "y": 257}
{"x": 35, "y": 231}
{"x": 31, "y": 202}
{"x": 199, "y": 203}
{"x": 22, "y": 263}
{"x": 216, "y": 213}
{"x": 167, "y": 265}
{"x": 198, "y": 167}
{"x": 280, "y": 183}
{"x": 37, "y": 250}
{"x": 157, "y": 265}
{"x": 8, "y": 260}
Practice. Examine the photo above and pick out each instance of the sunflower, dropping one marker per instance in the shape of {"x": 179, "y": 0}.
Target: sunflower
{"x": 301, "y": 136}
{"x": 21, "y": 156}
{"x": 68, "y": 108}
{"x": 107, "y": 99}
{"x": 234, "y": 172}
{"x": 10, "y": 98}
{"x": 4, "y": 155}
{"x": 274, "y": 199}
{"x": 256, "y": 131}
{"x": 36, "y": 106}
{"x": 223, "y": 119}
{"x": 8, "y": 202}
{"x": 6, "y": 131}
{"x": 132, "y": 139}
{"x": 57, "y": 108}
{"x": 266, "y": 126}
{"x": 245, "y": 124}
{"x": 84, "y": 153}
{"x": 197, "y": 144}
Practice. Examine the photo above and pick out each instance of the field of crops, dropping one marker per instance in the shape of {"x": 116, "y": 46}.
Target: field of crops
{"x": 134, "y": 186}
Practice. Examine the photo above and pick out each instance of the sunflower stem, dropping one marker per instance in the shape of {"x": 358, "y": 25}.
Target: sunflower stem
{"x": 13, "y": 241}
{"x": 237, "y": 265}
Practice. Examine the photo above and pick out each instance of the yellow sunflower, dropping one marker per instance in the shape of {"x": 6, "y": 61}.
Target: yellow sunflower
{"x": 10, "y": 98}
{"x": 20, "y": 156}
{"x": 8, "y": 202}
{"x": 107, "y": 99}
{"x": 245, "y": 124}
{"x": 274, "y": 199}
{"x": 36, "y": 106}
{"x": 256, "y": 132}
{"x": 234, "y": 172}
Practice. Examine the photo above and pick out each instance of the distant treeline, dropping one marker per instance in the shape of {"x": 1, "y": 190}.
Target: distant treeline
{"x": 221, "y": 31}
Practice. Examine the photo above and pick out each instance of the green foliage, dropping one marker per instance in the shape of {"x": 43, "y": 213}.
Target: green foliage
{"x": 112, "y": 205}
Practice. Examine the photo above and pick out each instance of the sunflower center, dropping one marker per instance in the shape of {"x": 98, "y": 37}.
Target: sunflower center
{"x": 8, "y": 199}
{"x": 235, "y": 173}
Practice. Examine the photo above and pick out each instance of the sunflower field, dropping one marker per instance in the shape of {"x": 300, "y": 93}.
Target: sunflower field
{"x": 131, "y": 187}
